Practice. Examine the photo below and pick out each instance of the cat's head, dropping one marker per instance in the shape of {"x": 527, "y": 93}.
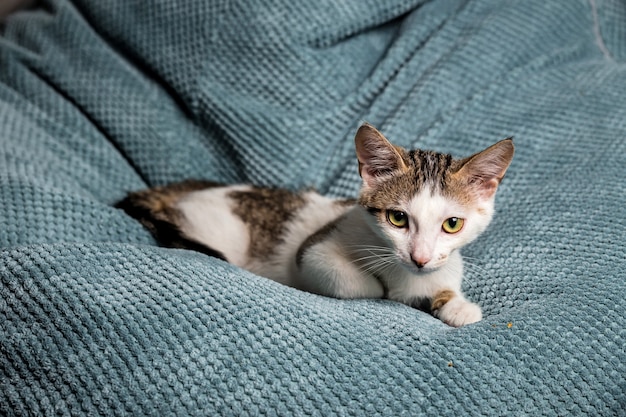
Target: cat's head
{"x": 427, "y": 204}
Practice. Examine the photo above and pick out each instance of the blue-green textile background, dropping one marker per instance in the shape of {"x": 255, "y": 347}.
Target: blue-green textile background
{"x": 98, "y": 98}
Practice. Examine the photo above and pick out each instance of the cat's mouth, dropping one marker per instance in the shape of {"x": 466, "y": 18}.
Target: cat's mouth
{"x": 423, "y": 269}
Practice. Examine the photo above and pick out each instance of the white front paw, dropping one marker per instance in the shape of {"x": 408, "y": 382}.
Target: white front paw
{"x": 458, "y": 312}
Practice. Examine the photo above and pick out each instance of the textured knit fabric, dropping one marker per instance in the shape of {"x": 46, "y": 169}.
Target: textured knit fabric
{"x": 98, "y": 98}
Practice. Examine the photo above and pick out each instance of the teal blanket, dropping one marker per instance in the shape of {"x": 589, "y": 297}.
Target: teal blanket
{"x": 98, "y": 98}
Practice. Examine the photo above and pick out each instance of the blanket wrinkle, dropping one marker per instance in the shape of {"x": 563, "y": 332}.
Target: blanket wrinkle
{"x": 597, "y": 32}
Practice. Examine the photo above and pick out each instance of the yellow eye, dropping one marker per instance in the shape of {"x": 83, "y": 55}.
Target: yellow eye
{"x": 397, "y": 218}
{"x": 453, "y": 225}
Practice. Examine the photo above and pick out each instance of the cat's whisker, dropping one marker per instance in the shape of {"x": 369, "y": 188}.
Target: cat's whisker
{"x": 377, "y": 267}
{"x": 471, "y": 265}
{"x": 474, "y": 268}
{"x": 471, "y": 259}
{"x": 376, "y": 262}
{"x": 370, "y": 261}
{"x": 373, "y": 260}
{"x": 369, "y": 248}
{"x": 387, "y": 252}
{"x": 372, "y": 253}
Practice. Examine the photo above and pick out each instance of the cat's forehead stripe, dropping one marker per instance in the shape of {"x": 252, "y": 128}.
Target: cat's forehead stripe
{"x": 430, "y": 168}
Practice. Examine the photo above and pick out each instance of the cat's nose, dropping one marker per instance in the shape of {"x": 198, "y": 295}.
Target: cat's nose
{"x": 420, "y": 261}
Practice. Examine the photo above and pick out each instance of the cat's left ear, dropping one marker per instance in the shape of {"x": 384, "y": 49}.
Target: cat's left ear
{"x": 484, "y": 170}
{"x": 378, "y": 158}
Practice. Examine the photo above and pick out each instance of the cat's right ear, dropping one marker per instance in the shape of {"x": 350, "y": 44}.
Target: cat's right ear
{"x": 484, "y": 170}
{"x": 378, "y": 158}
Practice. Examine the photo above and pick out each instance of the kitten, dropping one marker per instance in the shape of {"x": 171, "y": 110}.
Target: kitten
{"x": 400, "y": 240}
